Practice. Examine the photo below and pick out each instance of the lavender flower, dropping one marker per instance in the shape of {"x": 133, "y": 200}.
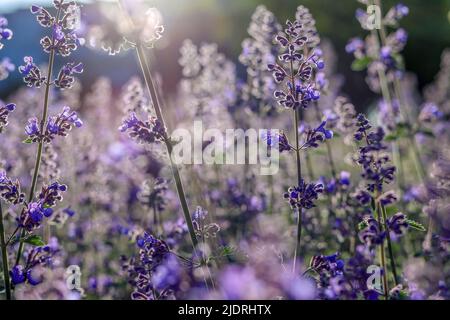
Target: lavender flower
{"x": 295, "y": 68}
{"x": 153, "y": 194}
{"x": 144, "y": 132}
{"x": 4, "y": 113}
{"x": 37, "y": 257}
{"x": 65, "y": 77}
{"x": 376, "y": 168}
{"x": 317, "y": 135}
{"x": 33, "y": 214}
{"x": 398, "y": 224}
{"x": 6, "y": 67}
{"x": 5, "y": 33}
{"x": 58, "y": 125}
{"x": 371, "y": 234}
{"x": 32, "y": 73}
{"x": 278, "y": 140}
{"x": 304, "y": 195}
{"x": 10, "y": 191}
{"x": 203, "y": 229}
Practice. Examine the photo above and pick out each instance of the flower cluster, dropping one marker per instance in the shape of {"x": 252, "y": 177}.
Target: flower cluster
{"x": 377, "y": 169}
{"x": 63, "y": 39}
{"x": 295, "y": 68}
{"x": 6, "y": 67}
{"x": 152, "y": 254}
{"x": 10, "y": 191}
{"x": 304, "y": 195}
{"x": 277, "y": 139}
{"x": 153, "y": 194}
{"x": 65, "y": 77}
{"x": 315, "y": 136}
{"x": 5, "y": 33}
{"x": 203, "y": 229}
{"x": 257, "y": 52}
{"x": 58, "y": 125}
{"x": 385, "y": 57}
{"x": 144, "y": 132}
{"x": 33, "y": 214}
{"x": 37, "y": 257}
{"x": 4, "y": 113}
{"x": 329, "y": 264}
{"x": 32, "y": 75}
{"x": 371, "y": 234}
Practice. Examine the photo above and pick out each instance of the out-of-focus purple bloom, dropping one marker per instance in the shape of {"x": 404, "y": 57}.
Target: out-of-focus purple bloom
{"x": 144, "y": 132}
{"x": 430, "y": 113}
{"x": 6, "y": 67}
{"x": 388, "y": 198}
{"x": 201, "y": 227}
{"x": 5, "y": 33}
{"x": 355, "y": 45}
{"x": 4, "y": 113}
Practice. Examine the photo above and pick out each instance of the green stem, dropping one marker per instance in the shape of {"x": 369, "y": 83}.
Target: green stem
{"x": 299, "y": 181}
{"x": 4, "y": 257}
{"x": 328, "y": 145}
{"x": 41, "y": 143}
{"x": 382, "y": 254}
{"x": 145, "y": 68}
{"x": 389, "y": 242}
{"x": 421, "y": 172}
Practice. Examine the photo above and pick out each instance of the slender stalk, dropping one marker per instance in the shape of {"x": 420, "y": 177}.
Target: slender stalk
{"x": 271, "y": 194}
{"x": 420, "y": 169}
{"x": 42, "y": 127}
{"x": 145, "y": 68}
{"x": 299, "y": 180}
{"x": 4, "y": 257}
{"x": 328, "y": 145}
{"x": 382, "y": 253}
{"x": 389, "y": 242}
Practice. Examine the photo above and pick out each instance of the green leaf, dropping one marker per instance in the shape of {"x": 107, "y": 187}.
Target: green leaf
{"x": 28, "y": 141}
{"x": 34, "y": 240}
{"x": 426, "y": 132}
{"x": 401, "y": 131}
{"x": 399, "y": 61}
{"x": 362, "y": 225}
{"x": 361, "y": 63}
{"x": 416, "y": 225}
{"x": 227, "y": 251}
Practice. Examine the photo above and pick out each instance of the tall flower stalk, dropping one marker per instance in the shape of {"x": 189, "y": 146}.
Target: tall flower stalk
{"x": 139, "y": 45}
{"x": 5, "y": 261}
{"x": 63, "y": 41}
{"x": 294, "y": 72}
{"x": 159, "y": 131}
{"x": 397, "y": 89}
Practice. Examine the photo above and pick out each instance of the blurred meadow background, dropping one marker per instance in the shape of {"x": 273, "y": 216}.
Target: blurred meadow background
{"x": 225, "y": 22}
{"x": 373, "y": 191}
